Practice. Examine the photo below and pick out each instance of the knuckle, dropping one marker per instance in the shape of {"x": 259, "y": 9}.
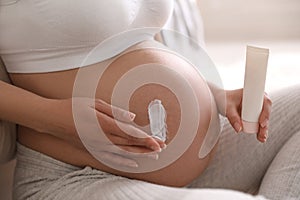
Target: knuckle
{"x": 263, "y": 132}
{"x": 233, "y": 117}
{"x": 99, "y": 104}
{"x": 130, "y": 142}
{"x": 262, "y": 117}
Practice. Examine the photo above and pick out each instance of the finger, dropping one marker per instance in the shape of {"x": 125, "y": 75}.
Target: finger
{"x": 118, "y": 160}
{"x": 138, "y": 136}
{"x": 121, "y": 115}
{"x": 127, "y": 131}
{"x": 262, "y": 135}
{"x": 234, "y": 118}
{"x": 132, "y": 151}
{"x": 114, "y": 112}
{"x": 132, "y": 141}
{"x": 161, "y": 143}
{"x": 127, "y": 142}
{"x": 266, "y": 112}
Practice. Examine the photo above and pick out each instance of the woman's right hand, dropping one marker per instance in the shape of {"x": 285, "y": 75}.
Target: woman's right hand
{"x": 55, "y": 117}
{"x": 76, "y": 118}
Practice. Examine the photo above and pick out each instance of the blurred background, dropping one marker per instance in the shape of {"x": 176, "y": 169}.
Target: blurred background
{"x": 230, "y": 25}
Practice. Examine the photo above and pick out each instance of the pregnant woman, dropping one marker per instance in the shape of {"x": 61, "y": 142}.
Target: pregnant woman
{"x": 43, "y": 44}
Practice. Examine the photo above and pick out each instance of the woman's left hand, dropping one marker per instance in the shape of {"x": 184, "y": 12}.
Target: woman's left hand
{"x": 233, "y": 113}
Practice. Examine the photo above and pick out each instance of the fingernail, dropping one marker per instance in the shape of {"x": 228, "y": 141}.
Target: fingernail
{"x": 264, "y": 138}
{"x": 133, "y": 164}
{"x": 237, "y": 127}
{"x": 264, "y": 123}
{"x": 161, "y": 143}
{"x": 132, "y": 115}
{"x": 153, "y": 156}
{"x": 266, "y": 134}
{"x": 156, "y": 149}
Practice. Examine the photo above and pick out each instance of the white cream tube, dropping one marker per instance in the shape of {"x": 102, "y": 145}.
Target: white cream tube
{"x": 254, "y": 87}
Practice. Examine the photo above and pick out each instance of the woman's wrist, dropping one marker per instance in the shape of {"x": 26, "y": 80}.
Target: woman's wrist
{"x": 58, "y": 119}
{"x": 220, "y": 96}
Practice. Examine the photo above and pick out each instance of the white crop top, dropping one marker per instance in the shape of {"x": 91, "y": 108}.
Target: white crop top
{"x": 53, "y": 35}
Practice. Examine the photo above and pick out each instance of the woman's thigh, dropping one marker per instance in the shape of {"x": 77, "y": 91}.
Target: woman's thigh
{"x": 282, "y": 180}
{"x": 41, "y": 177}
{"x": 241, "y": 161}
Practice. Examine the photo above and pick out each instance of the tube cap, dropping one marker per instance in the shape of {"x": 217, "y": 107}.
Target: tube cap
{"x": 250, "y": 127}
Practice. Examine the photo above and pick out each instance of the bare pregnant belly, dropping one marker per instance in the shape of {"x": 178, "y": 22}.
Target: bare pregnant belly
{"x": 132, "y": 81}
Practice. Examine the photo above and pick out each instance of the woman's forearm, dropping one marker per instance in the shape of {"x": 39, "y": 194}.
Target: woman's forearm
{"x": 27, "y": 109}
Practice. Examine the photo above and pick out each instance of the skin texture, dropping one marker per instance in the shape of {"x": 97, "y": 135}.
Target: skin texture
{"x": 59, "y": 85}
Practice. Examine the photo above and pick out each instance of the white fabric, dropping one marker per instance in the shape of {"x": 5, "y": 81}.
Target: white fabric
{"x": 41, "y": 177}
{"x": 55, "y": 35}
{"x": 187, "y": 21}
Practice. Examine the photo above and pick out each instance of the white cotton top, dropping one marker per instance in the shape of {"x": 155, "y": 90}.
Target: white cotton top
{"x": 53, "y": 35}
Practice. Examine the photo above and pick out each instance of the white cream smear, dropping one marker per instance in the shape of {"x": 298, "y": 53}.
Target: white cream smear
{"x": 157, "y": 116}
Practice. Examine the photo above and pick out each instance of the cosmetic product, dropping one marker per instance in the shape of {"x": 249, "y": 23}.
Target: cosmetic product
{"x": 254, "y": 87}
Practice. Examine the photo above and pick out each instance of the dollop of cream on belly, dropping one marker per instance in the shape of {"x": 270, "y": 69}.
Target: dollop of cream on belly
{"x": 157, "y": 116}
